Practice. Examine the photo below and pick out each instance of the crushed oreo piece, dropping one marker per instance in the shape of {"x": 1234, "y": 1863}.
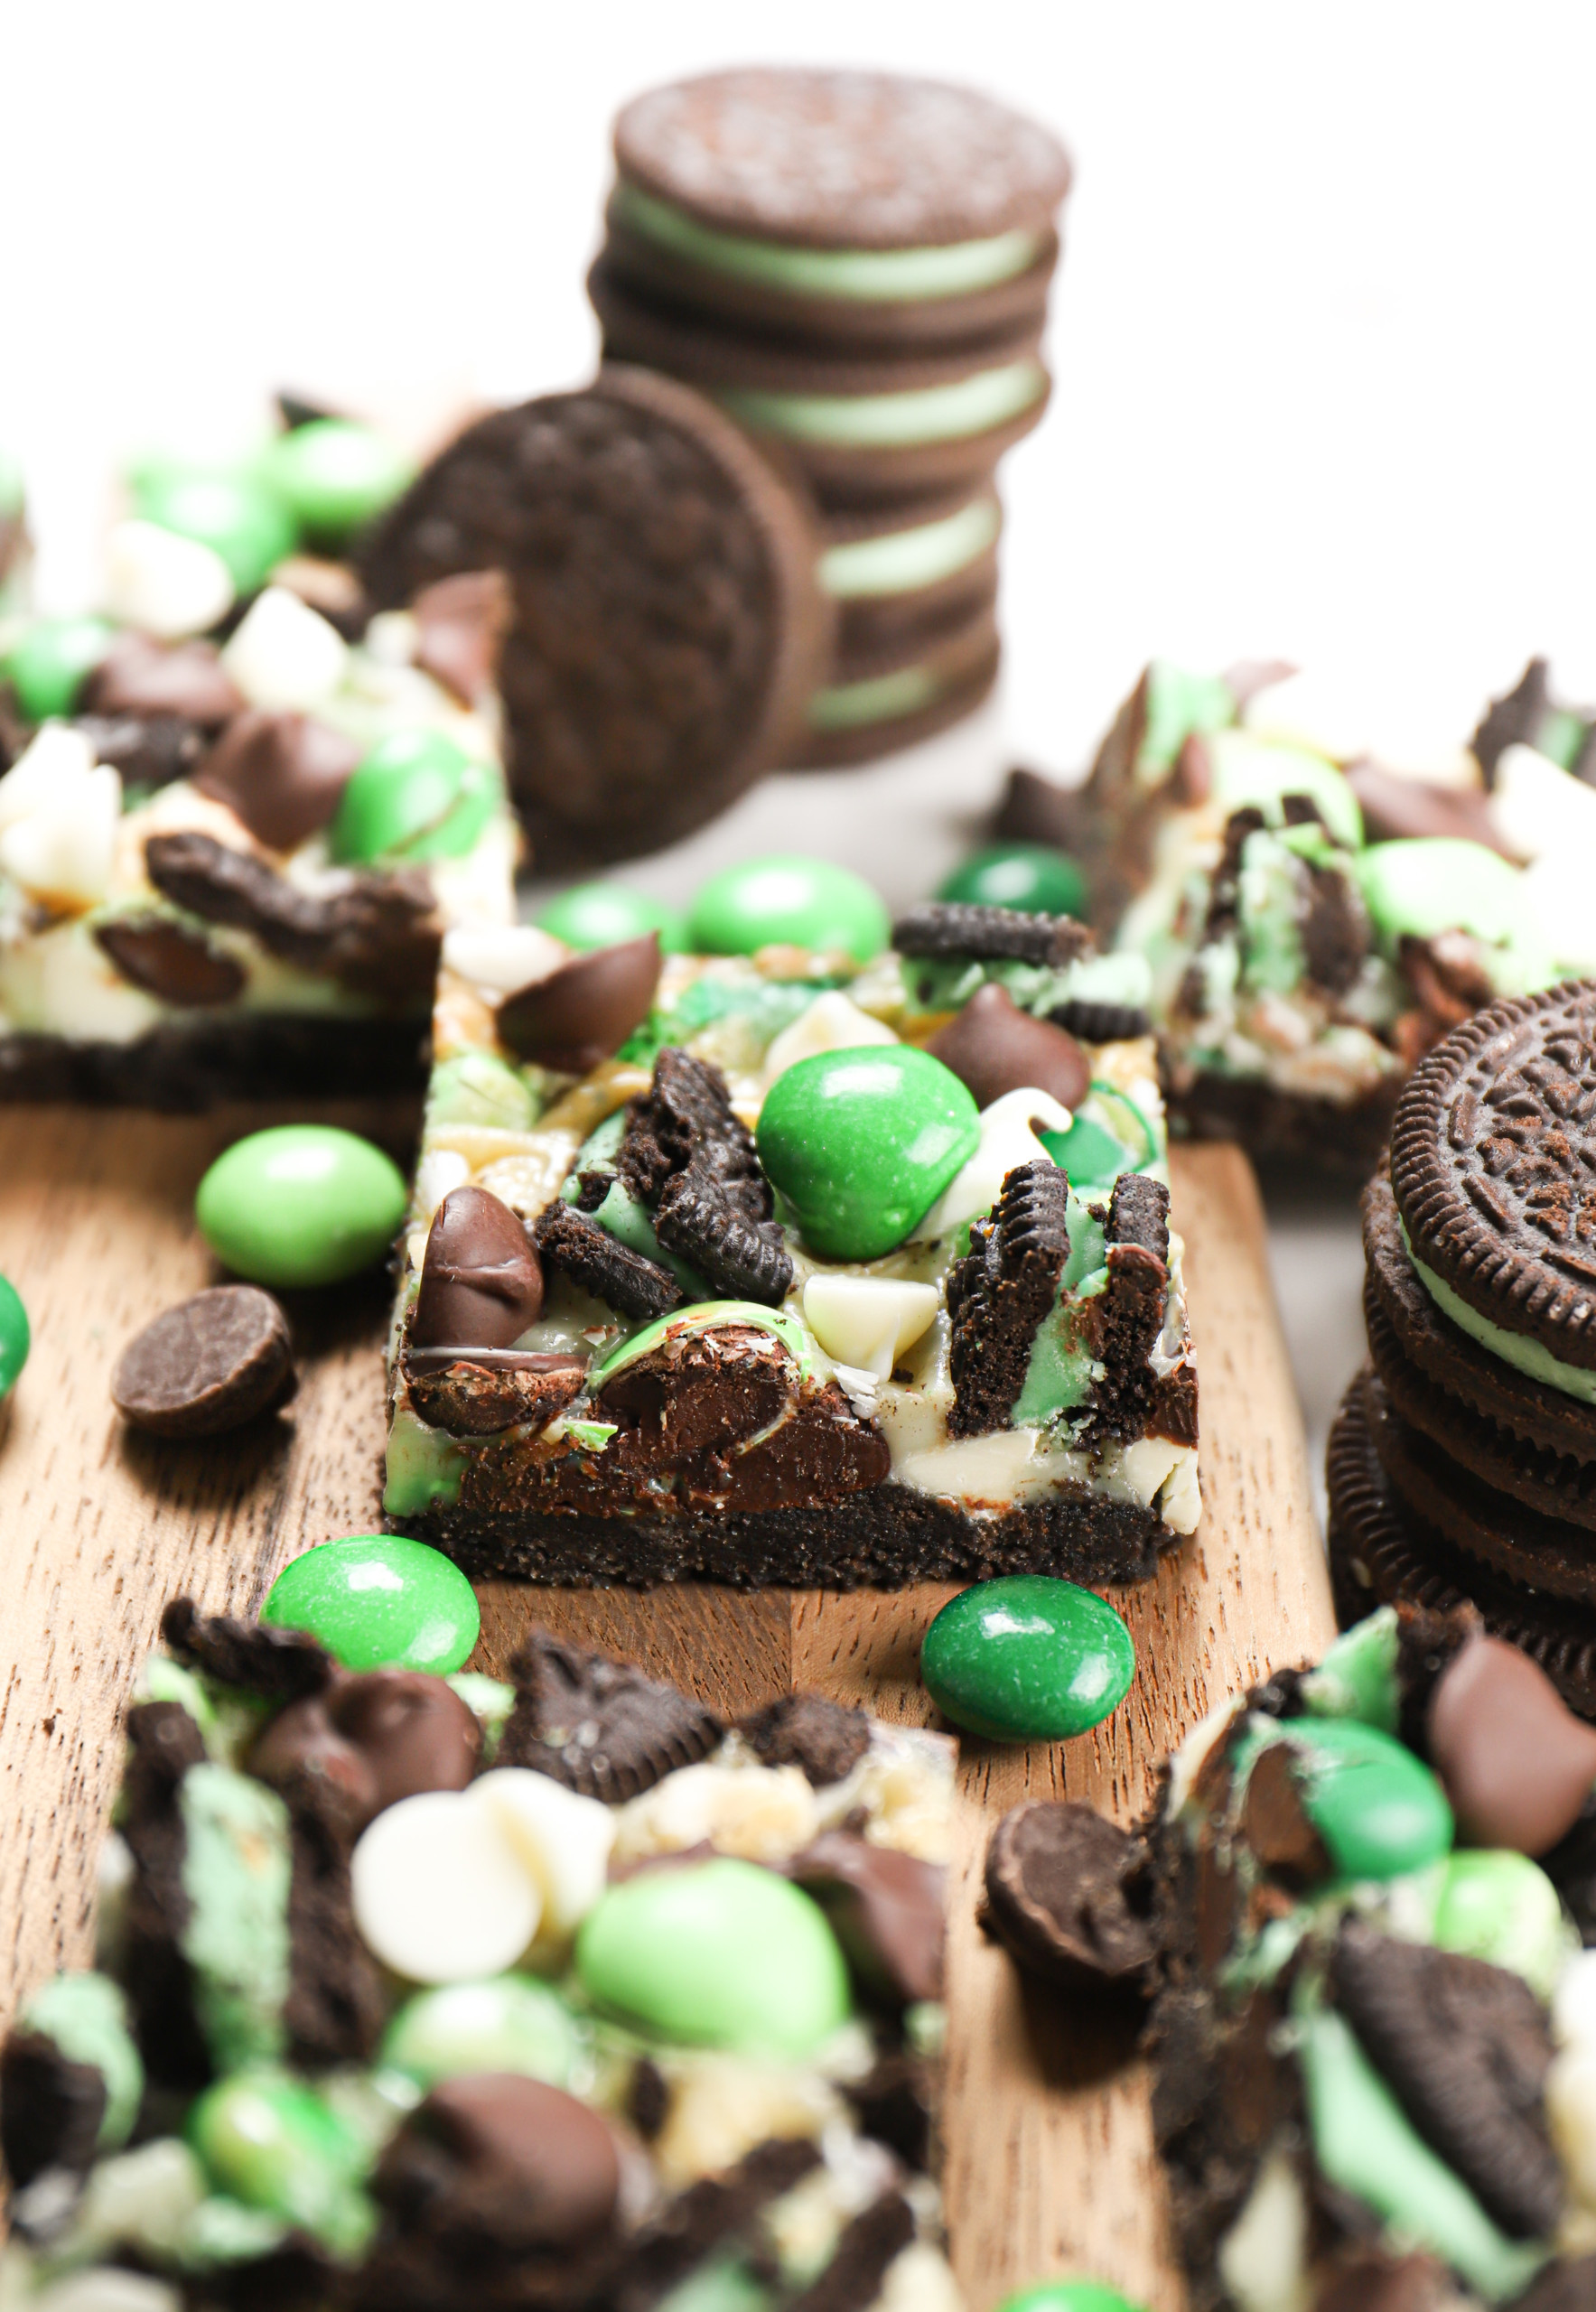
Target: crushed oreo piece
{"x": 277, "y": 1665}
{"x": 1126, "y": 1319}
{"x": 647, "y": 2098}
{"x": 989, "y": 933}
{"x": 208, "y": 1365}
{"x": 692, "y": 1159}
{"x": 167, "y": 960}
{"x": 1224, "y": 912}
{"x": 336, "y": 2004}
{"x": 1101, "y": 1023}
{"x": 717, "y": 2212}
{"x": 1565, "y": 2286}
{"x": 826, "y": 1738}
{"x": 1072, "y": 1896}
{"x": 893, "y": 2104}
{"x": 163, "y": 1743}
{"x": 1466, "y": 2048}
{"x": 857, "y": 2265}
{"x": 1513, "y": 720}
{"x": 1000, "y": 1292}
{"x": 598, "y": 1726}
{"x": 1334, "y": 925}
{"x": 568, "y": 1240}
{"x": 146, "y": 750}
{"x": 50, "y": 2109}
{"x": 743, "y": 1260}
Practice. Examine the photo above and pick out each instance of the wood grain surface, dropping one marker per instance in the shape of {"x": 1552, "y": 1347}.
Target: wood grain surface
{"x": 1050, "y": 2166}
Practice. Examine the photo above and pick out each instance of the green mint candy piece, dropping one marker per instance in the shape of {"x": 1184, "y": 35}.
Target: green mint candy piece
{"x": 788, "y": 902}
{"x": 1425, "y": 884}
{"x": 416, "y": 795}
{"x": 301, "y": 1204}
{"x": 1380, "y": 1810}
{"x": 336, "y": 476}
{"x": 15, "y": 1335}
{"x": 1068, "y": 2296}
{"x": 862, "y": 1142}
{"x": 716, "y": 1954}
{"x": 52, "y": 661}
{"x": 268, "y": 2142}
{"x": 1027, "y": 1658}
{"x": 85, "y": 2016}
{"x": 1500, "y": 1906}
{"x": 1263, "y": 772}
{"x": 377, "y": 1600}
{"x": 1357, "y": 1677}
{"x": 510, "y": 2023}
{"x": 474, "y": 1088}
{"x": 604, "y": 915}
{"x": 1091, "y": 1156}
{"x": 234, "y": 513}
{"x": 1031, "y": 876}
{"x": 1176, "y": 705}
{"x": 723, "y": 2284}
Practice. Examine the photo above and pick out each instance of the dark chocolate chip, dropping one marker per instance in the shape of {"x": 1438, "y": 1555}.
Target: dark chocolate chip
{"x": 627, "y": 1281}
{"x": 461, "y": 622}
{"x": 51, "y": 2108}
{"x": 282, "y": 774}
{"x": 826, "y": 1738}
{"x": 1070, "y": 1894}
{"x": 482, "y": 1282}
{"x": 600, "y": 1727}
{"x": 371, "y": 1740}
{"x": 208, "y": 1365}
{"x": 581, "y": 1014}
{"x": 147, "y": 750}
{"x": 479, "y": 1395}
{"x": 317, "y": 1770}
{"x": 1513, "y": 720}
{"x": 993, "y": 1047}
{"x": 1397, "y": 809}
{"x": 1001, "y": 1292}
{"x": 167, "y": 960}
{"x": 1466, "y": 2048}
{"x": 888, "y": 1910}
{"x": 279, "y": 1664}
{"x": 558, "y": 2152}
{"x": 295, "y": 411}
{"x": 1101, "y": 1023}
{"x": 1035, "y": 809}
{"x": 1276, "y": 1824}
{"x": 989, "y": 933}
{"x": 143, "y": 678}
{"x": 1518, "y": 1765}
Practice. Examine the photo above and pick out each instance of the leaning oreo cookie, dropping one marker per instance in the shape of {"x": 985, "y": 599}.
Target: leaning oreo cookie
{"x": 999, "y": 1293}
{"x": 842, "y": 207}
{"x": 666, "y": 627}
{"x": 883, "y": 696}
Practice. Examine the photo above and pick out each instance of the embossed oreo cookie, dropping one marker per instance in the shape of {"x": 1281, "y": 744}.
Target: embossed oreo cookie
{"x": 666, "y": 627}
{"x": 598, "y": 1726}
{"x": 989, "y": 933}
{"x": 999, "y": 1294}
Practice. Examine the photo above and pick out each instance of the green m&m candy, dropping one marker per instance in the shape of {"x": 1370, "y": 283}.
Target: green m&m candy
{"x": 336, "y": 475}
{"x": 1069, "y": 2296}
{"x": 301, "y": 1204}
{"x": 861, "y": 1142}
{"x": 604, "y": 915}
{"x": 417, "y": 795}
{"x": 1380, "y": 1810}
{"x": 1031, "y": 876}
{"x": 52, "y": 661}
{"x": 15, "y": 1336}
{"x": 232, "y": 511}
{"x": 788, "y": 902}
{"x": 377, "y": 1601}
{"x": 266, "y": 2139}
{"x": 1027, "y": 1658}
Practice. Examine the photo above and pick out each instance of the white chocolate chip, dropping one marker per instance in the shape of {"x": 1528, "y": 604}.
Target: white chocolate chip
{"x": 562, "y": 1838}
{"x": 763, "y": 1814}
{"x": 1571, "y": 2118}
{"x": 107, "y": 2289}
{"x": 1263, "y": 2259}
{"x": 167, "y": 585}
{"x": 1539, "y": 809}
{"x": 502, "y": 956}
{"x": 439, "y": 1892}
{"x": 1574, "y": 2004}
{"x": 57, "y": 757}
{"x": 831, "y": 1023}
{"x": 286, "y": 654}
{"x": 62, "y": 852}
{"x": 920, "y": 2280}
{"x": 439, "y": 1171}
{"x": 867, "y": 1321}
{"x": 1008, "y": 1139}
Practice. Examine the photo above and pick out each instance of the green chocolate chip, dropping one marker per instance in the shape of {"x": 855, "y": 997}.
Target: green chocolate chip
{"x": 301, "y": 1204}
{"x": 52, "y": 661}
{"x": 511, "y": 2023}
{"x": 1068, "y": 2296}
{"x": 1248, "y": 769}
{"x": 717, "y": 1955}
{"x": 1027, "y": 1658}
{"x": 236, "y": 514}
{"x": 1357, "y": 1677}
{"x": 1379, "y": 1811}
{"x": 416, "y": 795}
{"x": 15, "y": 1335}
{"x": 336, "y": 476}
{"x": 861, "y": 1142}
{"x": 788, "y": 902}
{"x": 376, "y": 1601}
{"x": 268, "y": 2142}
{"x": 1175, "y": 706}
{"x": 1500, "y": 1906}
{"x": 604, "y": 915}
{"x": 1424, "y": 885}
{"x": 1031, "y": 876}
{"x": 85, "y": 2016}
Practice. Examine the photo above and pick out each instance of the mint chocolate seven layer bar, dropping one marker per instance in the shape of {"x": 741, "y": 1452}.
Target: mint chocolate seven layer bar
{"x": 785, "y": 1269}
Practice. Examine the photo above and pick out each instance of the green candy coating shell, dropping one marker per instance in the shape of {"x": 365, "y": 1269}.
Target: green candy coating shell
{"x": 1031, "y": 876}
{"x": 336, "y": 475}
{"x": 15, "y": 1334}
{"x": 1500, "y": 1906}
{"x": 1378, "y": 1809}
{"x": 510, "y": 2023}
{"x": 239, "y": 515}
{"x": 49, "y": 666}
{"x": 604, "y": 915}
{"x": 268, "y": 2142}
{"x": 788, "y": 902}
{"x": 301, "y": 1204}
{"x": 716, "y": 1954}
{"x": 416, "y": 795}
{"x": 1027, "y": 1658}
{"x": 862, "y": 1144}
{"x": 1068, "y": 2296}
{"x": 1424, "y": 884}
{"x": 378, "y": 1601}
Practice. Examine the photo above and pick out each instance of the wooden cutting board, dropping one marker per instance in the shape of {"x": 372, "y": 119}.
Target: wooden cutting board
{"x": 1049, "y": 2168}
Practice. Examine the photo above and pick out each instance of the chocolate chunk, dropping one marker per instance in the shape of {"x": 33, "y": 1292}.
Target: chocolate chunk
{"x": 482, "y": 1282}
{"x": 598, "y": 1726}
{"x": 479, "y": 1395}
{"x": 993, "y": 1047}
{"x": 167, "y": 960}
{"x": 1513, "y": 720}
{"x": 1466, "y": 2048}
{"x": 1101, "y": 1023}
{"x": 989, "y": 933}
{"x": 147, "y": 750}
{"x": 282, "y": 774}
{"x": 208, "y": 1365}
{"x": 1070, "y": 1896}
{"x": 698, "y": 1393}
{"x": 461, "y": 622}
{"x": 689, "y": 1156}
{"x": 371, "y": 1740}
{"x": 1518, "y": 1765}
{"x": 888, "y": 1910}
{"x": 1124, "y": 1323}
{"x": 143, "y": 678}
{"x": 826, "y": 1738}
{"x": 278, "y": 1664}
{"x": 1000, "y": 1292}
{"x": 1398, "y": 809}
{"x": 582, "y": 1013}
{"x": 627, "y": 1281}
{"x": 1275, "y": 1824}
{"x": 51, "y": 2108}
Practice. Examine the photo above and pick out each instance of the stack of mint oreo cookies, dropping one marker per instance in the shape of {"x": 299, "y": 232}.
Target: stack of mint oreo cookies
{"x": 855, "y": 266}
{"x": 1462, "y": 1463}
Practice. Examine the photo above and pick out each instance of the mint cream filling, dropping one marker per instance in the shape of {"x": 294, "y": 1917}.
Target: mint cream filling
{"x": 894, "y": 276}
{"x": 906, "y": 560}
{"x": 1530, "y": 1358}
{"x": 950, "y": 412}
{"x": 848, "y": 706}
{"x": 1062, "y": 1369}
{"x": 236, "y": 1871}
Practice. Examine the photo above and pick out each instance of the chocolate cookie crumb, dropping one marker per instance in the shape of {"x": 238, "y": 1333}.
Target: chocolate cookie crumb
{"x": 627, "y": 1281}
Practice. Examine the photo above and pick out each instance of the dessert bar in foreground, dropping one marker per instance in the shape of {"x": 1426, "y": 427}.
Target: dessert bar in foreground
{"x": 786, "y": 1269}
{"x": 422, "y": 1995}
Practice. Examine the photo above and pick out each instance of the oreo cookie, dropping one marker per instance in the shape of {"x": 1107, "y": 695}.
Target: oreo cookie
{"x": 666, "y": 627}
{"x": 613, "y": 1272}
{"x": 600, "y": 1727}
{"x": 989, "y": 933}
{"x": 884, "y": 695}
{"x": 999, "y": 1293}
{"x": 890, "y": 571}
{"x": 826, "y": 1738}
{"x": 686, "y": 1155}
